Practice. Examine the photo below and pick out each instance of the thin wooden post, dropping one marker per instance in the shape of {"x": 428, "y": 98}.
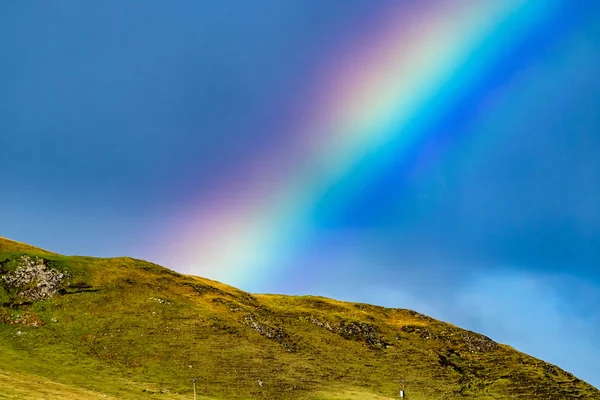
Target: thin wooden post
{"x": 193, "y": 380}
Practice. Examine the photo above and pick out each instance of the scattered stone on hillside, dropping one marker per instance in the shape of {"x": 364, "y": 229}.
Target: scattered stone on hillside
{"x": 161, "y": 301}
{"x": 203, "y": 289}
{"x": 33, "y": 280}
{"x": 477, "y": 343}
{"x": 276, "y": 334}
{"x": 362, "y": 331}
{"x": 474, "y": 342}
{"x": 318, "y": 322}
{"x": 422, "y": 331}
{"x": 27, "y": 319}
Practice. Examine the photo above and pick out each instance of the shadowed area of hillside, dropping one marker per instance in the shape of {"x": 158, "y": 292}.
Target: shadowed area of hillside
{"x": 86, "y": 328}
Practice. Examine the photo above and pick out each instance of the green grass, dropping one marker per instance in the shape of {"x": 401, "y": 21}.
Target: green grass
{"x": 128, "y": 329}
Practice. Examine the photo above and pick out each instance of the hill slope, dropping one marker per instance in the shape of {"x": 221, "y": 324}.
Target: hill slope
{"x": 87, "y": 328}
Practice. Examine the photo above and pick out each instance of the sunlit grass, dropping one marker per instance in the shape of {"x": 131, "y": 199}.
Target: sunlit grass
{"x": 129, "y": 329}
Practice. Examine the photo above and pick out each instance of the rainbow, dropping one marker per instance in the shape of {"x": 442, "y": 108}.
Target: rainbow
{"x": 377, "y": 102}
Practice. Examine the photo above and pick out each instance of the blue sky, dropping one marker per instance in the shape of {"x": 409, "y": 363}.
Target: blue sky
{"x": 114, "y": 118}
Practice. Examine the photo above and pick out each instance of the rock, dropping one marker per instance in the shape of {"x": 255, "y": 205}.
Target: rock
{"x": 318, "y": 322}
{"x": 362, "y": 331}
{"x": 33, "y": 280}
{"x": 276, "y": 334}
{"x": 477, "y": 343}
{"x": 422, "y": 331}
{"x": 161, "y": 301}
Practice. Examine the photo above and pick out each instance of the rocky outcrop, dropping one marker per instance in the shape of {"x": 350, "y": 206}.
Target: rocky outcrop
{"x": 352, "y": 330}
{"x": 473, "y": 342}
{"x": 357, "y": 330}
{"x": 276, "y": 334}
{"x": 423, "y": 331}
{"x": 323, "y": 323}
{"x": 477, "y": 343}
{"x": 33, "y": 280}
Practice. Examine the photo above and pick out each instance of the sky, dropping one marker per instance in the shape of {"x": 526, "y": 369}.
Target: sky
{"x": 440, "y": 156}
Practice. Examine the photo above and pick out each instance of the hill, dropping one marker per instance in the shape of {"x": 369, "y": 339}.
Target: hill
{"x": 121, "y": 328}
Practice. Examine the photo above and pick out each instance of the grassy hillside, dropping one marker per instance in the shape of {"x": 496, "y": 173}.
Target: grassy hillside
{"x": 88, "y": 328}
